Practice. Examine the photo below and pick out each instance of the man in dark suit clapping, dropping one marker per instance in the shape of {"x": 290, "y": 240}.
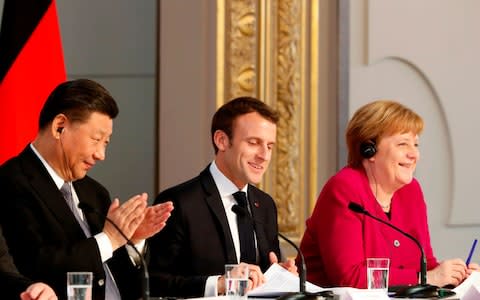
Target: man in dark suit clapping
{"x": 42, "y": 188}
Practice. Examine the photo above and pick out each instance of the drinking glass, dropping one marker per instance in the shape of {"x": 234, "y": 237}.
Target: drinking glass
{"x": 377, "y": 273}
{"x": 236, "y": 281}
{"x": 79, "y": 285}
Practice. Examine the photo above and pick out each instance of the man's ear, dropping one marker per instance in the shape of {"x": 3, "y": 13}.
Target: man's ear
{"x": 58, "y": 125}
{"x": 221, "y": 140}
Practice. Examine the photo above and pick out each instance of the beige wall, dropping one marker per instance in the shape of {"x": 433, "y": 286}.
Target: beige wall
{"x": 425, "y": 55}
{"x": 186, "y": 88}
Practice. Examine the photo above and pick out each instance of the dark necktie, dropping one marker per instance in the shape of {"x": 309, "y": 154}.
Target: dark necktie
{"x": 111, "y": 290}
{"x": 248, "y": 252}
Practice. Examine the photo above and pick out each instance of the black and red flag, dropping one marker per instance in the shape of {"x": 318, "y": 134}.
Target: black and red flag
{"x": 31, "y": 66}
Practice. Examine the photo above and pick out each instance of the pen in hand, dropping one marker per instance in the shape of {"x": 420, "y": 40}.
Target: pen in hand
{"x": 469, "y": 258}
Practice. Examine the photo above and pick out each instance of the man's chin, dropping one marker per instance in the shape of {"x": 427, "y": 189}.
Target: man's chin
{"x": 79, "y": 175}
{"x": 255, "y": 179}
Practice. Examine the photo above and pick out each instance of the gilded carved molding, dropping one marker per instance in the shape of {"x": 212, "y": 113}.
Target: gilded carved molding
{"x": 241, "y": 58}
{"x": 287, "y": 185}
{"x": 261, "y": 53}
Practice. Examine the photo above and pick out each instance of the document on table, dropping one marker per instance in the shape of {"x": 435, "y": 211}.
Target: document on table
{"x": 469, "y": 287}
{"x": 280, "y": 281}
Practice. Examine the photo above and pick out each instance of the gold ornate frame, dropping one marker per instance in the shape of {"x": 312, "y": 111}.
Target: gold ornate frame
{"x": 269, "y": 49}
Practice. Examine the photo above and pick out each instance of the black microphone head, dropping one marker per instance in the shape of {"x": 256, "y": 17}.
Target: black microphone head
{"x": 240, "y": 211}
{"x": 356, "y": 207}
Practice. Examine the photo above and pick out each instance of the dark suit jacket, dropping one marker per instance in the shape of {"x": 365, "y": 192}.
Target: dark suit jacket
{"x": 43, "y": 235}
{"x": 197, "y": 242}
{"x": 11, "y": 282}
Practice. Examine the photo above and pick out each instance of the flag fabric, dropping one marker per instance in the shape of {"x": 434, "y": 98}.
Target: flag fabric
{"x": 31, "y": 66}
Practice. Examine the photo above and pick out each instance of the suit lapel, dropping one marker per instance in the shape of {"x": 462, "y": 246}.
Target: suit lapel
{"x": 45, "y": 189}
{"x": 214, "y": 201}
{"x": 258, "y": 217}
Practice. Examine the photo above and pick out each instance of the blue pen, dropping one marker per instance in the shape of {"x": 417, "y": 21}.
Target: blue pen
{"x": 467, "y": 262}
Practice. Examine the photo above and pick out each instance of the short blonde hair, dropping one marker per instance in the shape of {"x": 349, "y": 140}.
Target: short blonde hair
{"x": 377, "y": 119}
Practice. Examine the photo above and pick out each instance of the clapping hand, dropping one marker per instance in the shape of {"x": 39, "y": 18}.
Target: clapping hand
{"x": 155, "y": 220}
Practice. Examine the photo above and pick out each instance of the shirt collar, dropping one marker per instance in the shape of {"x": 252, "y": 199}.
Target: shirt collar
{"x": 56, "y": 178}
{"x": 224, "y": 185}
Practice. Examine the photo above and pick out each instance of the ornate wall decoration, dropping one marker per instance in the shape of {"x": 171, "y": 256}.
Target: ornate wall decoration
{"x": 242, "y": 51}
{"x": 289, "y": 54}
{"x": 261, "y": 52}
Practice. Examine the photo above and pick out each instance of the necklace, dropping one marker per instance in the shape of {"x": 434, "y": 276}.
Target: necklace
{"x": 385, "y": 207}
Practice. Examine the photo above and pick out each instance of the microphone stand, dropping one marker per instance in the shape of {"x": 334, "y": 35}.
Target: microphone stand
{"x": 303, "y": 294}
{"x": 303, "y": 268}
{"x": 422, "y": 290}
{"x": 146, "y": 277}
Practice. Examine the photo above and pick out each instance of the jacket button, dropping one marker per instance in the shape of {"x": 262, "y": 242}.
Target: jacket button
{"x": 101, "y": 282}
{"x": 396, "y": 243}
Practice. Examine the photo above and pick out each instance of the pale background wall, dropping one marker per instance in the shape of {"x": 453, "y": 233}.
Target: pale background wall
{"x": 114, "y": 43}
{"x": 187, "y": 88}
{"x": 425, "y": 55}
{"x": 422, "y": 53}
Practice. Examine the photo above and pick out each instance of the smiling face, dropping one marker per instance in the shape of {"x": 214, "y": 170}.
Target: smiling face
{"x": 245, "y": 157}
{"x": 84, "y": 143}
{"x": 395, "y": 161}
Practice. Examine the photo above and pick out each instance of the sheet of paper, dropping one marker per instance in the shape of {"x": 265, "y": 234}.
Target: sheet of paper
{"x": 362, "y": 294}
{"x": 472, "y": 280}
{"x": 280, "y": 281}
{"x": 472, "y": 293}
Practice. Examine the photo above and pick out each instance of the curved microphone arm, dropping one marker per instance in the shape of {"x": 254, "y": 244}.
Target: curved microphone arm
{"x": 423, "y": 260}
{"x": 302, "y": 294}
{"x": 146, "y": 277}
{"x": 303, "y": 268}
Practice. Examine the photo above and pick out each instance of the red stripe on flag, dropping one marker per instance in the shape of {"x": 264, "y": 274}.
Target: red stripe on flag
{"x": 37, "y": 70}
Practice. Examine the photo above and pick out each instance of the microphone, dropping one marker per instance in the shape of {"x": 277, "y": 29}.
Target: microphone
{"x": 302, "y": 294}
{"x": 303, "y": 267}
{"x": 422, "y": 290}
{"x": 145, "y": 284}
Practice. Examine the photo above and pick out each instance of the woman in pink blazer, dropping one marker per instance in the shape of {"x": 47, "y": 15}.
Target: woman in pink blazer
{"x": 382, "y": 140}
